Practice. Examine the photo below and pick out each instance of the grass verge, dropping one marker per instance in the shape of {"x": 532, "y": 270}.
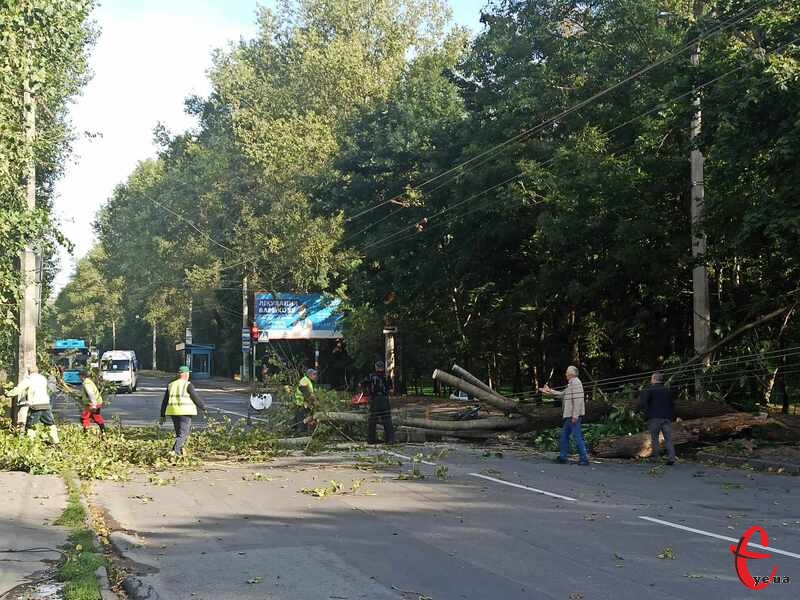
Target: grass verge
{"x": 78, "y": 571}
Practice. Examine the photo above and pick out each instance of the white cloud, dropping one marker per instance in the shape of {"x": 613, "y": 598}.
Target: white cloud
{"x": 144, "y": 67}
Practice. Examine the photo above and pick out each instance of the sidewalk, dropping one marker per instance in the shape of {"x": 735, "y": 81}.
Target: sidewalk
{"x": 30, "y": 505}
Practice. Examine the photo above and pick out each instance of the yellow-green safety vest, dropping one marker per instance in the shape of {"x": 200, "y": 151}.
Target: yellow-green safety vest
{"x": 179, "y": 402}
{"x": 88, "y": 383}
{"x": 299, "y": 399}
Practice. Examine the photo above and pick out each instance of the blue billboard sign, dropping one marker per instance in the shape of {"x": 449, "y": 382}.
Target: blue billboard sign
{"x": 69, "y": 345}
{"x": 298, "y": 316}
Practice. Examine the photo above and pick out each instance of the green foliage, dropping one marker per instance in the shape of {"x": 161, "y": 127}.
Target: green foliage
{"x": 43, "y": 48}
{"x": 334, "y": 488}
{"x": 112, "y": 457}
{"x": 415, "y": 472}
{"x": 81, "y": 560}
{"x": 324, "y": 161}
{"x": 619, "y": 422}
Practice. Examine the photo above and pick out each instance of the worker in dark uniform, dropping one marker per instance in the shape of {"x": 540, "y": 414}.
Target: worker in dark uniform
{"x": 380, "y": 410}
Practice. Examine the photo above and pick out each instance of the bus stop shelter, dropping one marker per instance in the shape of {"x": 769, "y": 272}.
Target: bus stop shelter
{"x": 199, "y": 358}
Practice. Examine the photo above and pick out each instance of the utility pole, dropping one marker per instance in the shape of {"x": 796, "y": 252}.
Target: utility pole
{"x": 155, "y": 362}
{"x": 245, "y": 326}
{"x": 700, "y": 297}
{"x": 28, "y": 312}
{"x": 189, "y": 336}
{"x": 114, "y": 334}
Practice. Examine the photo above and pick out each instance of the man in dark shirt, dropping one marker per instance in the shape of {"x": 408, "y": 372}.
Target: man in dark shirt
{"x": 380, "y": 411}
{"x": 659, "y": 408}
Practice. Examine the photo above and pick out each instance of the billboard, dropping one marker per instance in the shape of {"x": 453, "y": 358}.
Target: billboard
{"x": 298, "y": 316}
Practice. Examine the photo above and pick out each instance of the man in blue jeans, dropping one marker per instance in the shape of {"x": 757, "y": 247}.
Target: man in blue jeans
{"x": 574, "y": 408}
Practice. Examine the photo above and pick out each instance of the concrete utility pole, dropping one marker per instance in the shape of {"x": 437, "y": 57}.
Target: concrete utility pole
{"x": 245, "y": 325}
{"x": 189, "y": 334}
{"x": 155, "y": 362}
{"x": 701, "y": 306}
{"x": 390, "y": 356}
{"x": 28, "y": 311}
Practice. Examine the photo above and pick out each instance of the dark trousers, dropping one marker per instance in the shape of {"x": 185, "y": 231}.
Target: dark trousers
{"x": 45, "y": 417}
{"x": 656, "y": 426}
{"x": 301, "y": 413}
{"x": 380, "y": 412}
{"x": 183, "y": 425}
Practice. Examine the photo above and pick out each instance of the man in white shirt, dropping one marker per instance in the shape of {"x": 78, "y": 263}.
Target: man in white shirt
{"x": 574, "y": 408}
{"x": 33, "y": 393}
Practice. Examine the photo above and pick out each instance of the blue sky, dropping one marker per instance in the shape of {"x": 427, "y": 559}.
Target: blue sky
{"x": 151, "y": 55}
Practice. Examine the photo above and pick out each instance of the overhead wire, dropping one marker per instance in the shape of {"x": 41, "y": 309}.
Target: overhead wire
{"x": 393, "y": 237}
{"x": 642, "y": 377}
{"x": 491, "y": 152}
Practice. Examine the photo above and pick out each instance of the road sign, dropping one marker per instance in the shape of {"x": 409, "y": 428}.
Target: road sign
{"x": 180, "y": 346}
{"x": 245, "y": 334}
{"x": 263, "y": 335}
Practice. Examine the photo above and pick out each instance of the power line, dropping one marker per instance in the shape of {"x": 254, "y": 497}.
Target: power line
{"x": 619, "y": 382}
{"x": 190, "y": 223}
{"x": 388, "y": 240}
{"x": 720, "y": 27}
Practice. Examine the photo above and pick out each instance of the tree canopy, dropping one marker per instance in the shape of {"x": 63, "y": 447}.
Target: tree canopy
{"x": 43, "y": 49}
{"x": 515, "y": 201}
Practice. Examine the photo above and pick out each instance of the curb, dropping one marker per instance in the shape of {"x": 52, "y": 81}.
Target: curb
{"x": 101, "y": 574}
{"x": 756, "y": 463}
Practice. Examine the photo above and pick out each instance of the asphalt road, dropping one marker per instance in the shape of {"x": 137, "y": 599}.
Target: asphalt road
{"x": 142, "y": 407}
{"x": 509, "y": 527}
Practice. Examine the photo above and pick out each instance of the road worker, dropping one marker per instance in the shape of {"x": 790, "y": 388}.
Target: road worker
{"x": 33, "y": 394}
{"x": 92, "y": 403}
{"x": 305, "y": 401}
{"x": 181, "y": 403}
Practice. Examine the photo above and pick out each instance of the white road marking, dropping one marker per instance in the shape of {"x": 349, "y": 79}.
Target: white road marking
{"x": 500, "y": 481}
{"x": 408, "y": 458}
{"x": 719, "y": 537}
{"x": 524, "y": 487}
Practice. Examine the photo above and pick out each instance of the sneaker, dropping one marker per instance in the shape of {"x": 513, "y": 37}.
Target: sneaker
{"x": 670, "y": 462}
{"x": 584, "y": 463}
{"x": 561, "y": 461}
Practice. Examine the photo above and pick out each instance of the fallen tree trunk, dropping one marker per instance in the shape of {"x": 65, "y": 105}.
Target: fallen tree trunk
{"x": 684, "y": 432}
{"x": 487, "y": 423}
{"x": 491, "y": 399}
{"x": 691, "y": 409}
{"x": 461, "y": 433}
{"x": 470, "y": 378}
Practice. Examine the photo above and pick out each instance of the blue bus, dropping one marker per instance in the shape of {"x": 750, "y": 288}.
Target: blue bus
{"x": 71, "y": 356}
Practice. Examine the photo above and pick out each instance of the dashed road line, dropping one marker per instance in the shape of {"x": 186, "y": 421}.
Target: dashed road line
{"x": 717, "y": 536}
{"x": 493, "y": 479}
{"x": 408, "y": 458}
{"x": 523, "y": 487}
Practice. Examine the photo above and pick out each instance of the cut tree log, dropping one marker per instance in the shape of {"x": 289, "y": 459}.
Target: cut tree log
{"x": 487, "y": 423}
{"x": 684, "y": 432}
{"x": 470, "y": 378}
{"x": 462, "y": 434}
{"x": 686, "y": 408}
{"x": 490, "y": 398}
